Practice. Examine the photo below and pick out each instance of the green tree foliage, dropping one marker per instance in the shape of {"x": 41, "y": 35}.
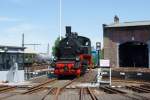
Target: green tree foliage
{"x": 95, "y": 57}
{"x": 55, "y": 45}
{"x": 94, "y": 60}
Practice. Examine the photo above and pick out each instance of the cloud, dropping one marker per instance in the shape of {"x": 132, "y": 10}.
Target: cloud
{"x": 20, "y": 28}
{"x": 4, "y": 18}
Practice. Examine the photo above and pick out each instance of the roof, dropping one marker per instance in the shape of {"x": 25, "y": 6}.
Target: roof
{"x": 11, "y": 47}
{"x": 129, "y": 24}
{"x": 31, "y": 51}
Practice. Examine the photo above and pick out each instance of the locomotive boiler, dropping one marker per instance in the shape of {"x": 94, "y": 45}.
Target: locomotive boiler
{"x": 73, "y": 54}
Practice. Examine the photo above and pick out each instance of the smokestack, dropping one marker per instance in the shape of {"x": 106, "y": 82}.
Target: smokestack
{"x": 68, "y": 29}
{"x": 116, "y": 19}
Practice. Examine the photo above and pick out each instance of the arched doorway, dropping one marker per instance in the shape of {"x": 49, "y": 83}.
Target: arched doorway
{"x": 133, "y": 54}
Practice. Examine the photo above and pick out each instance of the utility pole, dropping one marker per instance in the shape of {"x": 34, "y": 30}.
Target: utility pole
{"x": 98, "y": 48}
{"x": 60, "y": 6}
{"x": 48, "y": 49}
{"x": 23, "y": 57}
{"x": 23, "y": 40}
{"x": 23, "y": 44}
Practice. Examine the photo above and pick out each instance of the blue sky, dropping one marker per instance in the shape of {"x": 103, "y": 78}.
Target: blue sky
{"x": 39, "y": 19}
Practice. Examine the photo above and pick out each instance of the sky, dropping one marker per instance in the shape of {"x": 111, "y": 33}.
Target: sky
{"x": 39, "y": 19}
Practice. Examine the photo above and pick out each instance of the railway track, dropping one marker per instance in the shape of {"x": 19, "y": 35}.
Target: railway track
{"x": 31, "y": 90}
{"x": 111, "y": 90}
{"x": 145, "y": 86}
{"x": 132, "y": 96}
{"x": 4, "y": 89}
{"x": 56, "y": 90}
{"x": 93, "y": 96}
{"x": 130, "y": 81}
{"x": 88, "y": 91}
{"x": 138, "y": 89}
{"x": 38, "y": 87}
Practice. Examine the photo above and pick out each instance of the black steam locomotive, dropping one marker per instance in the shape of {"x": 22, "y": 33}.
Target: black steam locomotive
{"x": 73, "y": 54}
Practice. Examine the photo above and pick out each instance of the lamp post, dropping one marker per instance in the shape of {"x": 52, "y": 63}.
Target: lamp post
{"x": 98, "y": 48}
{"x": 99, "y": 76}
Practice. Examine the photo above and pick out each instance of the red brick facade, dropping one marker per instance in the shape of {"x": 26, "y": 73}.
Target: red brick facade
{"x": 114, "y": 36}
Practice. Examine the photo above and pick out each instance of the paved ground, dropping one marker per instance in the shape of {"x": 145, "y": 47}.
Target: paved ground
{"x": 70, "y": 96}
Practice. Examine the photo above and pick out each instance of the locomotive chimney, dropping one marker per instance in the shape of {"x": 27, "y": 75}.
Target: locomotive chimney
{"x": 116, "y": 19}
{"x": 68, "y": 29}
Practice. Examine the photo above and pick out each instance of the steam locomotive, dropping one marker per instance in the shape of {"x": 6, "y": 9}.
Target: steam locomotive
{"x": 73, "y": 54}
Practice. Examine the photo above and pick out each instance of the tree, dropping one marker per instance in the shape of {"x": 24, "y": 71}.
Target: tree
{"x": 56, "y": 45}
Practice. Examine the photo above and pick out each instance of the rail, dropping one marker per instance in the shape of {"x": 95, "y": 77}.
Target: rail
{"x": 81, "y": 94}
{"x": 6, "y": 89}
{"x": 137, "y": 89}
{"x": 62, "y": 87}
{"x": 133, "y": 96}
{"x": 93, "y": 96}
{"x": 38, "y": 87}
{"x": 57, "y": 90}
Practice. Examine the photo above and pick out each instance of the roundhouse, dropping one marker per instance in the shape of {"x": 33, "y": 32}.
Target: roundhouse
{"x": 127, "y": 44}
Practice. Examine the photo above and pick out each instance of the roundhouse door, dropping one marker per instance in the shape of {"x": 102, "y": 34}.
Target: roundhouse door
{"x": 133, "y": 54}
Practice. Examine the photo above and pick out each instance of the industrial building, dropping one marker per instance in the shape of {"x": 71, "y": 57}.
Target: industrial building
{"x": 127, "y": 44}
{"x": 11, "y": 63}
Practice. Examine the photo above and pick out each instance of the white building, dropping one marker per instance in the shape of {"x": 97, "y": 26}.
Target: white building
{"x": 11, "y": 64}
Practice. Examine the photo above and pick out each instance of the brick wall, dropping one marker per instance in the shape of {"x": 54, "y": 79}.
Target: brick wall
{"x": 115, "y": 36}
